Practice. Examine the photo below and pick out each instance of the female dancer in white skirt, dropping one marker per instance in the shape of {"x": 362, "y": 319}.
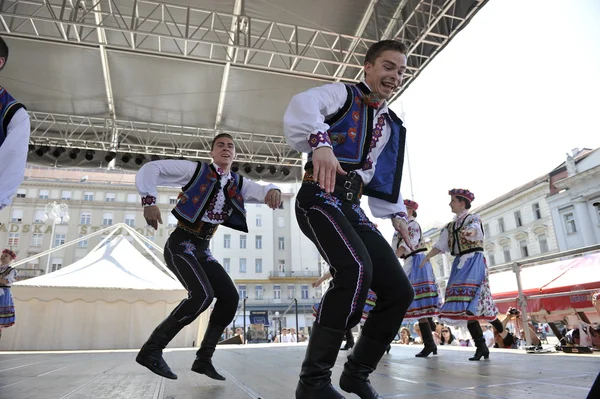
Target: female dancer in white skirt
{"x": 468, "y": 294}
{"x": 426, "y": 303}
{"x": 8, "y": 276}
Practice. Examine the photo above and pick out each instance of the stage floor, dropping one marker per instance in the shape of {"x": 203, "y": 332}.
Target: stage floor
{"x": 270, "y": 371}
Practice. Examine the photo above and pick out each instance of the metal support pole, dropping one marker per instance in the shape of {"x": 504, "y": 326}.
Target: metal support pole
{"x": 51, "y": 245}
{"x": 244, "y": 315}
{"x": 297, "y": 333}
{"x": 522, "y": 303}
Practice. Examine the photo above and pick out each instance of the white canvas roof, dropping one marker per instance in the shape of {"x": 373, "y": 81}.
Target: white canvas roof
{"x": 115, "y": 265}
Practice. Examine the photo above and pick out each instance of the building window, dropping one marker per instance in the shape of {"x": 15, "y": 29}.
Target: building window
{"x": 258, "y": 242}
{"x": 37, "y": 239}
{"x": 291, "y": 291}
{"x": 82, "y": 243}
{"x": 85, "y": 218}
{"x": 88, "y": 196}
{"x": 44, "y": 194}
{"x": 524, "y": 249}
{"x": 56, "y": 264}
{"x": 537, "y": 212}
{"x": 227, "y": 241}
{"x": 39, "y": 216}
{"x": 130, "y": 219}
{"x": 66, "y": 195}
{"x": 173, "y": 200}
{"x": 21, "y": 193}
{"x": 132, "y": 198}
{"x": 506, "y": 251}
{"x": 242, "y": 291}
{"x": 242, "y": 265}
{"x": 258, "y": 265}
{"x": 501, "y": 225}
{"x": 570, "y": 223}
{"x": 281, "y": 265}
{"x": 59, "y": 239}
{"x": 258, "y": 291}
{"x": 277, "y": 292}
{"x": 543, "y": 243}
{"x": 17, "y": 215}
{"x": 280, "y": 222}
{"x": 597, "y": 206}
{"x": 242, "y": 241}
{"x": 492, "y": 258}
{"x": 281, "y": 243}
{"x": 518, "y": 220}
{"x": 486, "y": 229}
{"x": 13, "y": 239}
{"x": 171, "y": 220}
{"x": 305, "y": 292}
{"x": 107, "y": 219}
{"x": 110, "y": 197}
{"x": 258, "y": 220}
{"x": 227, "y": 264}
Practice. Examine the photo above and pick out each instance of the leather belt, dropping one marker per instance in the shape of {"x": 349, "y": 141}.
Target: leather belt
{"x": 347, "y": 188}
{"x": 413, "y": 253}
{"x": 202, "y": 230}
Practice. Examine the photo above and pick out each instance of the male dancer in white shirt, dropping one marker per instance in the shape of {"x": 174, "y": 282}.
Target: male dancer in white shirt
{"x": 14, "y": 139}
{"x": 355, "y": 146}
{"x": 211, "y": 195}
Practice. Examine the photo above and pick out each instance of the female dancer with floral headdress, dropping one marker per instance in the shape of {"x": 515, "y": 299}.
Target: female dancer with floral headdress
{"x": 8, "y": 276}
{"x": 468, "y": 294}
{"x": 426, "y": 303}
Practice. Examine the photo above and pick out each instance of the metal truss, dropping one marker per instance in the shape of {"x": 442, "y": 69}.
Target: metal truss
{"x": 153, "y": 27}
{"x": 236, "y": 40}
{"x": 72, "y": 131}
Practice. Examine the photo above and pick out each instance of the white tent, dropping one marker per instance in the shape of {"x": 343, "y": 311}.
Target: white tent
{"x": 111, "y": 299}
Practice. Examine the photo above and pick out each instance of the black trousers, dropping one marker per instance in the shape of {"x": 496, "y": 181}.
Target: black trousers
{"x": 359, "y": 258}
{"x": 189, "y": 258}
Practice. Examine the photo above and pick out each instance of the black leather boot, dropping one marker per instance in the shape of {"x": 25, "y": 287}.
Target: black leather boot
{"x": 362, "y": 361}
{"x": 321, "y": 354}
{"x": 477, "y": 335}
{"x": 203, "y": 363}
{"x": 428, "y": 341}
{"x": 349, "y": 340}
{"x": 150, "y": 355}
{"x": 481, "y": 351}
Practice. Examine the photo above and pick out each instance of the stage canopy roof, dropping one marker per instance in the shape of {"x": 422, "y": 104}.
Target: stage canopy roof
{"x": 154, "y": 78}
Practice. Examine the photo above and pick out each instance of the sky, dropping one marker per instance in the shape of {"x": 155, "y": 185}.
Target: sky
{"x": 502, "y": 104}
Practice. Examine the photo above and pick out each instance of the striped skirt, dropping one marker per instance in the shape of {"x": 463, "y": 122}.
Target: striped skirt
{"x": 427, "y": 298}
{"x": 7, "y": 308}
{"x": 468, "y": 294}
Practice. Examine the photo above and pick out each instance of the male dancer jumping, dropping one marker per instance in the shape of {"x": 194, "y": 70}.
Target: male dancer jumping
{"x": 211, "y": 195}
{"x": 355, "y": 145}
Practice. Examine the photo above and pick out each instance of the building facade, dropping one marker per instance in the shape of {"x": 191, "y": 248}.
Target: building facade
{"x": 271, "y": 265}
{"x": 574, "y": 200}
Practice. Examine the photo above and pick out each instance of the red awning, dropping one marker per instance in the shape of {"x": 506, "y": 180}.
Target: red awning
{"x": 567, "y": 276}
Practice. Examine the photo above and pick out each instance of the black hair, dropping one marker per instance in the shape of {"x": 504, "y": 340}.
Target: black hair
{"x": 218, "y": 136}
{"x": 3, "y": 52}
{"x": 384, "y": 45}
{"x": 466, "y": 201}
